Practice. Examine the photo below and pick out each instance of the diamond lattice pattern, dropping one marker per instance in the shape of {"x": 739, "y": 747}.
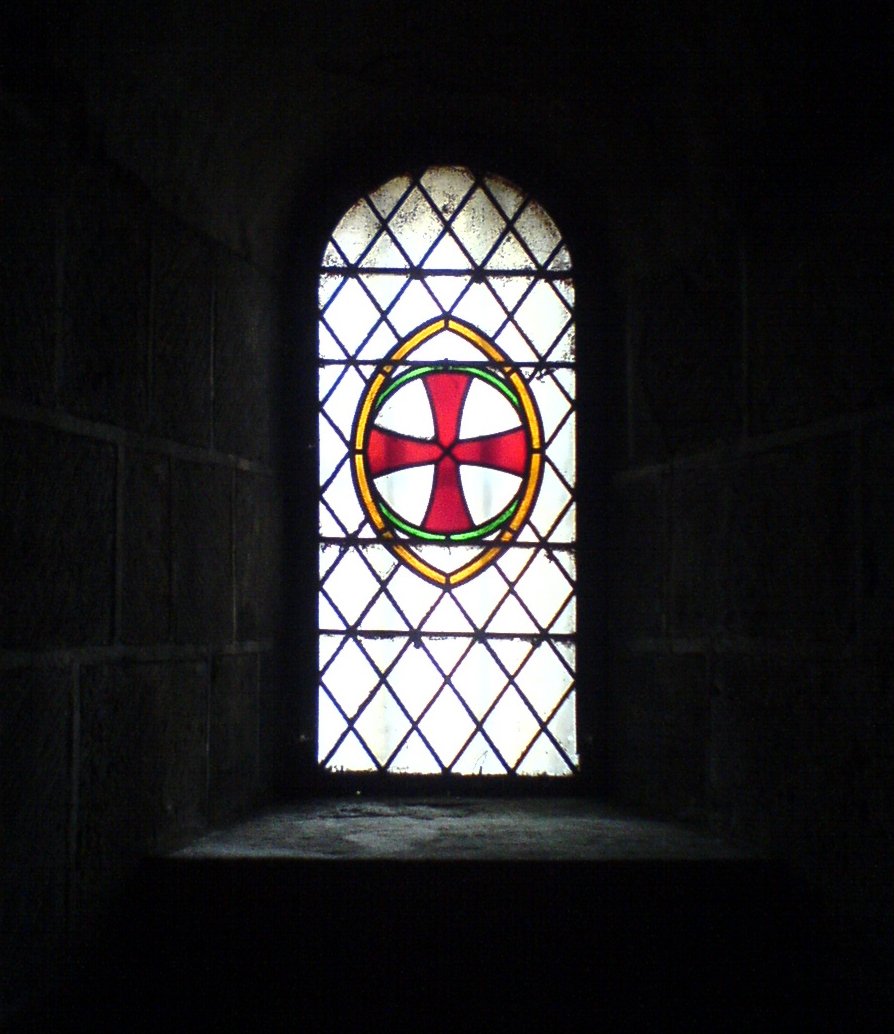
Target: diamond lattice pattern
{"x": 474, "y": 678}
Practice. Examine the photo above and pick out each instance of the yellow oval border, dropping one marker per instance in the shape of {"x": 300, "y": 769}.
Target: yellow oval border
{"x": 367, "y": 501}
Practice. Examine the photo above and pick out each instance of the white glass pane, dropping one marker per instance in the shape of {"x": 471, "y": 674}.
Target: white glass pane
{"x": 511, "y": 726}
{"x": 447, "y": 345}
{"x": 486, "y": 411}
{"x": 544, "y": 677}
{"x": 329, "y": 348}
{"x": 350, "y": 678}
{"x": 382, "y": 286}
{"x": 341, "y": 405}
{"x": 510, "y": 255}
{"x": 447, "y": 617}
{"x": 487, "y": 492}
{"x": 382, "y": 725}
{"x": 407, "y": 411}
{"x": 342, "y": 499}
{"x": 330, "y": 725}
{"x": 447, "y": 186}
{"x": 447, "y": 254}
{"x": 538, "y": 231}
{"x": 478, "y": 679}
{"x": 479, "y": 307}
{"x": 514, "y": 345}
{"x": 478, "y": 225}
{"x": 414, "y": 308}
{"x": 512, "y": 617}
{"x": 385, "y": 254}
{"x": 415, "y": 757}
{"x": 479, "y": 758}
{"x": 562, "y": 260}
{"x": 354, "y": 233}
{"x": 447, "y": 289}
{"x": 407, "y": 491}
{"x": 351, "y": 757}
{"x": 415, "y": 680}
{"x": 552, "y": 403}
{"x": 415, "y": 226}
{"x": 350, "y": 586}
{"x": 446, "y": 726}
{"x": 332, "y": 450}
{"x": 510, "y": 289}
{"x": 351, "y": 316}
{"x": 545, "y": 587}
{"x": 542, "y": 316}
{"x": 388, "y": 195}
{"x": 543, "y": 759}
{"x": 507, "y": 195}
{"x": 328, "y": 283}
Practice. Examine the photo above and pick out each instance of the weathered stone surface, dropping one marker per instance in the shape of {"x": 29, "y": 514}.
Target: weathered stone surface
{"x": 659, "y": 732}
{"x": 57, "y": 525}
{"x": 202, "y": 547}
{"x": 257, "y": 557}
{"x": 243, "y": 359}
{"x": 143, "y": 766}
{"x": 277, "y": 728}
{"x": 146, "y": 559}
{"x": 878, "y": 536}
{"x": 104, "y": 361}
{"x": 821, "y": 324}
{"x": 233, "y": 741}
{"x": 801, "y": 761}
{"x": 791, "y": 542}
{"x": 638, "y": 562}
{"x": 698, "y": 518}
{"x": 35, "y": 801}
{"x": 28, "y": 217}
{"x": 688, "y": 363}
{"x": 181, "y": 344}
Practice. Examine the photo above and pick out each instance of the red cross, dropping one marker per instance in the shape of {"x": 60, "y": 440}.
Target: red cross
{"x": 447, "y": 512}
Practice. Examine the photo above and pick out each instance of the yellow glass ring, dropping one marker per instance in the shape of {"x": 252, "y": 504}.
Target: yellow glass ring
{"x": 494, "y": 536}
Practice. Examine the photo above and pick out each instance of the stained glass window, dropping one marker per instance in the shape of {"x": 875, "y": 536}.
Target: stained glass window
{"x": 447, "y": 470}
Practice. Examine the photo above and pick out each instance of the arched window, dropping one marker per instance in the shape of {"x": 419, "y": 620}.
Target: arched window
{"x": 447, "y": 483}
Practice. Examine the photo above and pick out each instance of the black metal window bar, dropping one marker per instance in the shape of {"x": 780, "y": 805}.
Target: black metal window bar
{"x": 350, "y": 263}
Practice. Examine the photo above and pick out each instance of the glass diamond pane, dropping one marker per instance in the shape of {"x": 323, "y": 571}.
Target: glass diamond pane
{"x": 447, "y": 726}
{"x": 354, "y": 233}
{"x": 538, "y": 231}
{"x": 545, "y": 676}
{"x": 542, "y": 316}
{"x": 447, "y": 186}
{"x": 351, "y": 316}
{"x": 511, "y": 726}
{"x": 478, "y": 225}
{"x": 350, "y": 586}
{"x": 415, "y": 226}
{"x": 382, "y": 726}
{"x": 350, "y": 677}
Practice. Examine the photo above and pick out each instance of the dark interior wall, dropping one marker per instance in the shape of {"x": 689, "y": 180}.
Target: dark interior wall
{"x": 168, "y": 176}
{"x": 752, "y": 580}
{"x": 139, "y": 522}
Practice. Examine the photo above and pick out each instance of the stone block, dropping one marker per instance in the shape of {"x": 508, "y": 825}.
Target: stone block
{"x": 698, "y": 516}
{"x": 257, "y": 551}
{"x": 821, "y": 320}
{"x": 57, "y": 525}
{"x": 104, "y": 358}
{"x": 244, "y": 344}
{"x": 181, "y": 344}
{"x": 234, "y": 775}
{"x": 28, "y": 225}
{"x": 638, "y": 563}
{"x": 35, "y": 804}
{"x": 659, "y": 721}
{"x": 801, "y": 761}
{"x": 146, "y": 549}
{"x": 688, "y": 368}
{"x": 791, "y": 542}
{"x": 143, "y": 768}
{"x": 877, "y": 576}
{"x": 202, "y": 580}
{"x": 276, "y": 726}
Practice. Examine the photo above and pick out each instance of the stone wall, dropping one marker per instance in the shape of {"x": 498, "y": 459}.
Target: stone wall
{"x": 753, "y": 584}
{"x": 139, "y": 569}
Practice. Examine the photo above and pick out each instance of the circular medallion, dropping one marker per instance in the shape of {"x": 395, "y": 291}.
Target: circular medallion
{"x": 447, "y": 451}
